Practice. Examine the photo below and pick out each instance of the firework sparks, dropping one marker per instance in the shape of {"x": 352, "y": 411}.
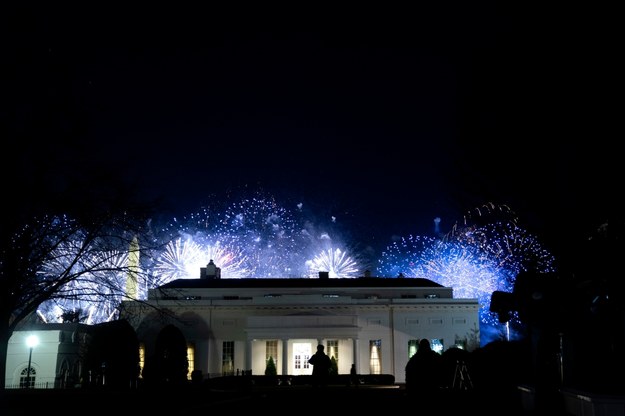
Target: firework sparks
{"x": 257, "y": 238}
{"x": 334, "y": 261}
{"x": 96, "y": 294}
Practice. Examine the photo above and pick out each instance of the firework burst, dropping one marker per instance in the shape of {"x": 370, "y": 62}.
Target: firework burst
{"x": 407, "y": 256}
{"x": 94, "y": 295}
{"x": 334, "y": 261}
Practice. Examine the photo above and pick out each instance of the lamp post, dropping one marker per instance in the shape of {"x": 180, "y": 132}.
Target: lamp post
{"x": 31, "y": 341}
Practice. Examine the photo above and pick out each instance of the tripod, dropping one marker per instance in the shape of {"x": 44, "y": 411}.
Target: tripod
{"x": 462, "y": 379}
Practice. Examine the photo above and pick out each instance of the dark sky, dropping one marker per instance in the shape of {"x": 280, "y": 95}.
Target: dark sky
{"x": 385, "y": 118}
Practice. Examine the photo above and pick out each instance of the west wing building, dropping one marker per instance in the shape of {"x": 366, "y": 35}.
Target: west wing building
{"x": 233, "y": 326}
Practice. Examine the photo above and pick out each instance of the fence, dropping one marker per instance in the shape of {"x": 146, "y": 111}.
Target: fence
{"x": 36, "y": 385}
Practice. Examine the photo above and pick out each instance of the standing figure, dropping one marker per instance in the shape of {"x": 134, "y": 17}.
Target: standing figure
{"x": 321, "y": 367}
{"x": 424, "y": 370}
{"x": 353, "y": 376}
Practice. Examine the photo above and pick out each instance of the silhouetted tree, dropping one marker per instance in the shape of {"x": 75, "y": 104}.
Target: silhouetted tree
{"x": 270, "y": 368}
{"x": 334, "y": 367}
{"x": 68, "y": 205}
{"x": 57, "y": 258}
{"x": 72, "y": 316}
{"x": 114, "y": 353}
{"x": 66, "y": 245}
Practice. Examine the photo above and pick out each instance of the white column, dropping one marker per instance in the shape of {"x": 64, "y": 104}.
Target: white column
{"x": 285, "y": 357}
{"x": 248, "y": 354}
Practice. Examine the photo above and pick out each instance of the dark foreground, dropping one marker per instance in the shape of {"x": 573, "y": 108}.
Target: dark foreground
{"x": 285, "y": 399}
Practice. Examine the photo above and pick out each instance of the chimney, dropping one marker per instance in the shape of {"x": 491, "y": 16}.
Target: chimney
{"x": 324, "y": 275}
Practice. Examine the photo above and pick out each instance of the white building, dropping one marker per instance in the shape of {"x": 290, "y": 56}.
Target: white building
{"x": 71, "y": 354}
{"x": 55, "y": 359}
{"x": 234, "y": 325}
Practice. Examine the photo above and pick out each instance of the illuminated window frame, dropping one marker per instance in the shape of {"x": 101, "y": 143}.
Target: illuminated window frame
{"x": 190, "y": 359}
{"x": 333, "y": 349}
{"x": 141, "y": 359}
{"x": 227, "y": 358}
{"x": 375, "y": 356}
{"x": 271, "y": 350}
{"x": 413, "y": 346}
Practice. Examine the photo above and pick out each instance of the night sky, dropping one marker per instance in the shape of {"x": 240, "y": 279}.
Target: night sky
{"x": 384, "y": 119}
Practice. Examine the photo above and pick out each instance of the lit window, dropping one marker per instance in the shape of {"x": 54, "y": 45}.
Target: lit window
{"x": 413, "y": 346}
{"x": 227, "y": 360}
{"x": 375, "y": 356}
{"x": 190, "y": 358}
{"x": 437, "y": 345}
{"x": 271, "y": 350}
{"x": 141, "y": 358}
{"x": 333, "y": 350}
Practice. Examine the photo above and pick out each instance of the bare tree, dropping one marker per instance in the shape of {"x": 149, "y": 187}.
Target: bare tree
{"x": 54, "y": 258}
{"x": 70, "y": 208}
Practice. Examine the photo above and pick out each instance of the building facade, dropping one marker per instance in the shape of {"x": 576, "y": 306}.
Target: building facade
{"x": 233, "y": 326}
{"x": 54, "y": 360}
{"x": 71, "y": 354}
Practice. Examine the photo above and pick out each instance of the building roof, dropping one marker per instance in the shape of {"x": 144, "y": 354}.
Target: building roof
{"x": 362, "y": 282}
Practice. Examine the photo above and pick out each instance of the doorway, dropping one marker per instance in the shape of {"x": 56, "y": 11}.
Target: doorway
{"x": 301, "y": 353}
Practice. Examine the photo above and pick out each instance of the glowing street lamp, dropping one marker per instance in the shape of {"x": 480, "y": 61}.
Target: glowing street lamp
{"x": 31, "y": 341}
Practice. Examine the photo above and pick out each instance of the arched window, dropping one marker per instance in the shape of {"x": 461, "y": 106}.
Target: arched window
{"x": 190, "y": 359}
{"x": 27, "y": 381}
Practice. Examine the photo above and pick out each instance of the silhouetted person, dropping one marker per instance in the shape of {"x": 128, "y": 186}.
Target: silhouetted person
{"x": 321, "y": 367}
{"x": 353, "y": 375}
{"x": 424, "y": 370}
